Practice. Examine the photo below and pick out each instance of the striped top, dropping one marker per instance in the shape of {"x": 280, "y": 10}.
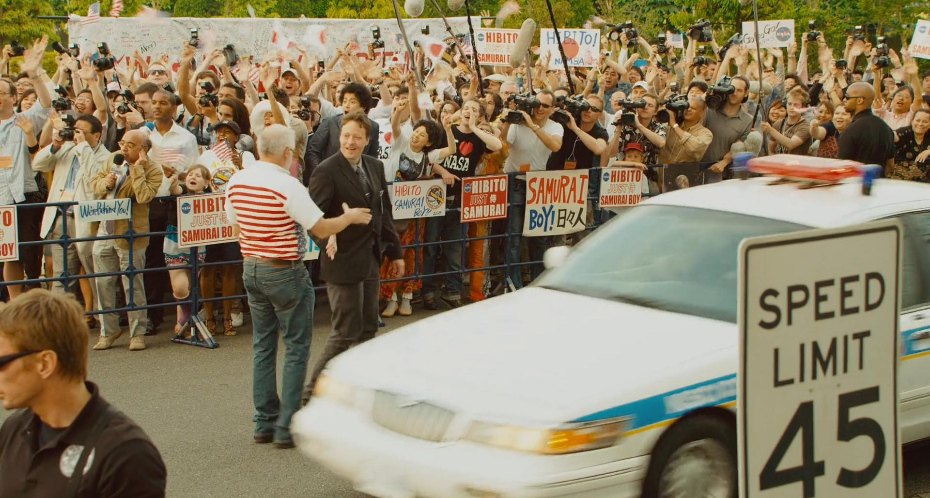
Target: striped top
{"x": 273, "y": 211}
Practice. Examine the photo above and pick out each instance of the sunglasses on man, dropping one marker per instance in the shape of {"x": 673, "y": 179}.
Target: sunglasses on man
{"x": 10, "y": 358}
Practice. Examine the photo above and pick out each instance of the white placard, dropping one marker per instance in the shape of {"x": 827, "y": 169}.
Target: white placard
{"x": 676, "y": 40}
{"x": 202, "y": 221}
{"x": 620, "y": 187}
{"x": 556, "y": 202}
{"x": 9, "y": 239}
{"x": 920, "y": 43}
{"x": 419, "y": 199}
{"x": 772, "y": 34}
{"x": 582, "y": 47}
{"x": 495, "y": 45}
{"x": 818, "y": 397}
{"x": 103, "y": 210}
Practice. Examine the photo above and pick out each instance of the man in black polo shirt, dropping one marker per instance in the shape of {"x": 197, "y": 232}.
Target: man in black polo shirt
{"x": 584, "y": 142}
{"x": 63, "y": 423}
{"x": 868, "y": 139}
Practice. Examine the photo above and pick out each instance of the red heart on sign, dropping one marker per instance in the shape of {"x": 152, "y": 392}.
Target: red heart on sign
{"x": 465, "y": 148}
{"x": 436, "y": 49}
{"x": 387, "y": 138}
{"x": 571, "y": 48}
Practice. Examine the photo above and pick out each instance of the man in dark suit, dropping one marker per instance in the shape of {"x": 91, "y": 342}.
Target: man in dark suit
{"x": 324, "y": 143}
{"x": 353, "y": 257}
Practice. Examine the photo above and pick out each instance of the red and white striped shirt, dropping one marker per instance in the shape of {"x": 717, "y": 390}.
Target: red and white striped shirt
{"x": 273, "y": 211}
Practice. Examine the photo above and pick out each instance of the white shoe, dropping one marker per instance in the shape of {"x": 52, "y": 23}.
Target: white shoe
{"x": 237, "y": 319}
{"x": 405, "y": 308}
{"x": 390, "y": 309}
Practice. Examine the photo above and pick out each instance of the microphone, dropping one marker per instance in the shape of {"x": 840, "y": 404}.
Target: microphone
{"x": 414, "y": 8}
{"x": 753, "y": 142}
{"x": 522, "y": 45}
{"x": 119, "y": 159}
{"x": 456, "y": 4}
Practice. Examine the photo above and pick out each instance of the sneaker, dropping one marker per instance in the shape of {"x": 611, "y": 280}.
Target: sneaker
{"x": 106, "y": 341}
{"x": 390, "y": 309}
{"x": 405, "y": 309}
{"x": 237, "y": 319}
{"x": 263, "y": 437}
{"x": 429, "y": 302}
{"x": 453, "y": 302}
{"x": 137, "y": 343}
{"x": 284, "y": 444}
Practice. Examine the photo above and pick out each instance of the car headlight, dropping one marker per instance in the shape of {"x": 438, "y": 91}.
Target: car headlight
{"x": 567, "y": 438}
{"x": 335, "y": 390}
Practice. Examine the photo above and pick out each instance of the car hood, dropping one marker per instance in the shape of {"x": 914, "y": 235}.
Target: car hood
{"x": 540, "y": 356}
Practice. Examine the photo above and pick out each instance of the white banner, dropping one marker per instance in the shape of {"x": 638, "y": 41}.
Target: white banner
{"x": 202, "y": 220}
{"x": 420, "y": 199}
{"x": 495, "y": 45}
{"x": 9, "y": 240}
{"x": 320, "y": 37}
{"x": 555, "y": 202}
{"x": 582, "y": 47}
{"x": 620, "y": 187}
{"x": 103, "y": 210}
{"x": 772, "y": 34}
{"x": 920, "y": 43}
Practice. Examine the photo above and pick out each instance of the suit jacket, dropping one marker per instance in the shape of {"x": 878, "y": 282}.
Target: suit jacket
{"x": 324, "y": 143}
{"x": 333, "y": 182}
{"x": 89, "y": 162}
{"x": 141, "y": 185}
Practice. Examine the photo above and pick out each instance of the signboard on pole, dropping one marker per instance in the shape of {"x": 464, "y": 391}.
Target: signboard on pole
{"x": 9, "y": 239}
{"x": 419, "y": 199}
{"x": 103, "y": 210}
{"x": 582, "y": 47}
{"x": 556, "y": 202}
{"x": 495, "y": 45}
{"x": 818, "y": 394}
{"x": 484, "y": 198}
{"x": 620, "y": 187}
{"x": 920, "y": 43}
{"x": 772, "y": 34}
{"x": 202, "y": 221}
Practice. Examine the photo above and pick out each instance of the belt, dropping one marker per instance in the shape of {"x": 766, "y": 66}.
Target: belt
{"x": 275, "y": 262}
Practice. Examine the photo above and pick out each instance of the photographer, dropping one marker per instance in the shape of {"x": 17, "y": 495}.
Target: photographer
{"x": 532, "y": 140}
{"x": 584, "y": 139}
{"x": 201, "y": 105}
{"x": 686, "y": 142}
{"x": 727, "y": 121}
{"x": 631, "y": 128}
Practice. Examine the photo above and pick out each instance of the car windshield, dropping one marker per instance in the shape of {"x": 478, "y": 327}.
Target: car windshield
{"x": 680, "y": 259}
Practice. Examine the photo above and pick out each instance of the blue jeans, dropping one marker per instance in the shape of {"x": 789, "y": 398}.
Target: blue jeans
{"x": 536, "y": 245}
{"x": 281, "y": 298}
{"x": 444, "y": 228}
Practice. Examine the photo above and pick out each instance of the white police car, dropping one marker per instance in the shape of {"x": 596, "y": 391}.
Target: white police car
{"x": 612, "y": 376}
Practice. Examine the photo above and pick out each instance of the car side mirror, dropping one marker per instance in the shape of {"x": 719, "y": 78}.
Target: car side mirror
{"x": 554, "y": 257}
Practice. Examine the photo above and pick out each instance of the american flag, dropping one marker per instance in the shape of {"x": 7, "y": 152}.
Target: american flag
{"x": 93, "y": 14}
{"x": 171, "y": 157}
{"x": 222, "y": 151}
{"x": 117, "y": 8}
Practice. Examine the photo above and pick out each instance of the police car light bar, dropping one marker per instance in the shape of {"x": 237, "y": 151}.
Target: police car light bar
{"x": 806, "y": 168}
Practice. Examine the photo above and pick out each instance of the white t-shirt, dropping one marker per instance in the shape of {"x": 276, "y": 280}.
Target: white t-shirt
{"x": 527, "y": 148}
{"x": 401, "y": 156}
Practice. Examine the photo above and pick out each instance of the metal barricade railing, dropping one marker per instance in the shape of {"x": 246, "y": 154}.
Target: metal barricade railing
{"x": 505, "y": 265}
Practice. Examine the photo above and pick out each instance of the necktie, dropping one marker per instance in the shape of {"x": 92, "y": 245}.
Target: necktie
{"x": 364, "y": 179}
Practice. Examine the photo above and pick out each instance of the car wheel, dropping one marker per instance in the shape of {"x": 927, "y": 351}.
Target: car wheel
{"x": 695, "y": 459}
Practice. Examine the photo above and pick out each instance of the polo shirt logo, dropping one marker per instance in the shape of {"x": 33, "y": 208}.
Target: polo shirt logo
{"x": 69, "y": 459}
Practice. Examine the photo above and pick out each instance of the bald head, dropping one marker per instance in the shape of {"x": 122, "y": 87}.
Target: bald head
{"x": 859, "y": 97}
{"x": 133, "y": 143}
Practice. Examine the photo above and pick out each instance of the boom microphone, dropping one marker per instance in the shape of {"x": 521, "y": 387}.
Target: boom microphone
{"x": 414, "y": 8}
{"x": 522, "y": 46}
{"x": 753, "y": 142}
{"x": 456, "y": 4}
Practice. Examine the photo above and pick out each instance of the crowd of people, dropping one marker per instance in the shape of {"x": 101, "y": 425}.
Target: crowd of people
{"x": 185, "y": 123}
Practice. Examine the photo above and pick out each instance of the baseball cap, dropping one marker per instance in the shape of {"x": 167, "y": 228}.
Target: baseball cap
{"x": 113, "y": 86}
{"x": 500, "y": 78}
{"x": 291, "y": 72}
{"x": 634, "y": 146}
{"x": 232, "y": 125}
{"x": 641, "y": 84}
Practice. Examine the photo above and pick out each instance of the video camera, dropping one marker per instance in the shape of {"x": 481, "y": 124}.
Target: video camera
{"x": 858, "y": 33}
{"x": 881, "y": 53}
{"x": 570, "y": 105}
{"x": 195, "y": 38}
{"x": 677, "y": 104}
{"x": 105, "y": 61}
{"x": 812, "y": 35}
{"x": 701, "y": 31}
{"x": 210, "y": 99}
{"x": 624, "y": 28}
{"x": 376, "y": 34}
{"x": 62, "y": 103}
{"x": 524, "y": 102}
{"x": 627, "y": 118}
{"x": 18, "y": 50}
{"x": 734, "y": 40}
{"x": 67, "y": 134}
{"x": 232, "y": 58}
{"x": 717, "y": 94}
{"x": 661, "y": 48}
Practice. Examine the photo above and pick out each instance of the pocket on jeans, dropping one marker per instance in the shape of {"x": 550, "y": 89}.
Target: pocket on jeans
{"x": 283, "y": 286}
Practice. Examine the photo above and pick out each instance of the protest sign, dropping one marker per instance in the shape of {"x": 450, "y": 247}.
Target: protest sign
{"x": 103, "y": 210}
{"x": 495, "y": 45}
{"x": 582, "y": 47}
{"x": 202, "y": 221}
{"x": 484, "y": 198}
{"x": 9, "y": 239}
{"x": 421, "y": 199}
{"x": 620, "y": 187}
{"x": 555, "y": 202}
{"x": 772, "y": 34}
{"x": 920, "y": 43}
{"x": 676, "y": 40}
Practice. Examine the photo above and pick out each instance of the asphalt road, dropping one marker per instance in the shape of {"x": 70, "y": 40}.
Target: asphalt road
{"x": 196, "y": 405}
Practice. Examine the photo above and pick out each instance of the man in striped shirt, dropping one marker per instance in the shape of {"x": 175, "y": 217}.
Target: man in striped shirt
{"x": 273, "y": 211}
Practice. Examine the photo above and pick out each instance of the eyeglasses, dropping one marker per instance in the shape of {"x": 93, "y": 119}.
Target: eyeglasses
{"x": 595, "y": 109}
{"x": 127, "y": 145}
{"x": 157, "y": 71}
{"x": 545, "y": 106}
{"x": 10, "y": 358}
{"x": 6, "y": 93}
{"x": 848, "y": 97}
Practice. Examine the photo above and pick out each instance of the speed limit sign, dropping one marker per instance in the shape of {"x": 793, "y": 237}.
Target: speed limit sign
{"x": 818, "y": 397}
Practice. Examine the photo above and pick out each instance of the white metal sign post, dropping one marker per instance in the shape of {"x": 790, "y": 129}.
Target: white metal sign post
{"x": 818, "y": 397}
